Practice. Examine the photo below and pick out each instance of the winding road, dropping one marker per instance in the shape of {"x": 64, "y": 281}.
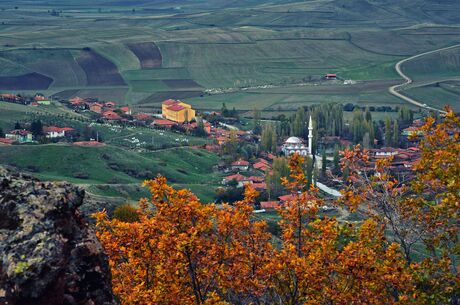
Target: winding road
{"x": 394, "y": 89}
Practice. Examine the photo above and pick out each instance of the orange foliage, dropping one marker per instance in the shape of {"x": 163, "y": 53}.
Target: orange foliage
{"x": 181, "y": 251}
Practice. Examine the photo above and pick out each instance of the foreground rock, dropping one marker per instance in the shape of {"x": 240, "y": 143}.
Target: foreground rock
{"x": 48, "y": 254}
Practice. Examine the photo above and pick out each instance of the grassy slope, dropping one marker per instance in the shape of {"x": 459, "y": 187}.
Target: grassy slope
{"x": 112, "y": 165}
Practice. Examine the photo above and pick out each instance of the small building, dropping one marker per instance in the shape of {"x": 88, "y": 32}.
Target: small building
{"x": 53, "y": 132}
{"x": 262, "y": 166}
{"x": 109, "y": 104}
{"x": 240, "y": 179}
{"x": 331, "y": 76}
{"x": 161, "y": 123}
{"x": 268, "y": 205}
{"x": 95, "y": 107}
{"x": 111, "y": 115}
{"x": 259, "y": 186}
{"x": 240, "y": 165}
{"x": 126, "y": 110}
{"x": 20, "y": 135}
{"x": 177, "y": 111}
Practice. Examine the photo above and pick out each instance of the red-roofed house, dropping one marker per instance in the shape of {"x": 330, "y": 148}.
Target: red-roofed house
{"x": 143, "y": 117}
{"x": 242, "y": 180}
{"x": 269, "y": 204}
{"x": 255, "y": 179}
{"x": 53, "y": 132}
{"x": 161, "y": 123}
{"x": 126, "y": 110}
{"x": 95, "y": 107}
{"x": 240, "y": 165}
{"x": 286, "y": 198}
{"x": 262, "y": 166}
{"x": 331, "y": 76}
{"x": 259, "y": 186}
{"x": 109, "y": 104}
{"x": 20, "y": 135}
{"x": 111, "y": 116}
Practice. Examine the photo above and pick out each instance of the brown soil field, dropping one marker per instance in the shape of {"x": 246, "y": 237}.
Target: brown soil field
{"x": 182, "y": 84}
{"x": 99, "y": 70}
{"x": 148, "y": 53}
{"x": 159, "y": 97}
{"x": 30, "y": 81}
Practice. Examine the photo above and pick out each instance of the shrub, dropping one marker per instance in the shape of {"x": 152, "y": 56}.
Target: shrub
{"x": 126, "y": 213}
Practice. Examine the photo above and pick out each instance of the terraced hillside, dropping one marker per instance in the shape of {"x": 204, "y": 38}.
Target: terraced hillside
{"x": 242, "y": 52}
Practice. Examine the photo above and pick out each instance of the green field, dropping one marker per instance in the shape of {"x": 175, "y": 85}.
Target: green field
{"x": 221, "y": 45}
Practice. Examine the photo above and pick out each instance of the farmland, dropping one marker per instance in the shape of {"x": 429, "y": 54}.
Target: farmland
{"x": 247, "y": 54}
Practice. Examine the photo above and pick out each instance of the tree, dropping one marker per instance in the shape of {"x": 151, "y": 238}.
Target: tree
{"x": 388, "y": 132}
{"x": 323, "y": 163}
{"x": 273, "y": 179}
{"x": 256, "y": 118}
{"x": 336, "y": 161}
{"x": 423, "y": 214}
{"x": 17, "y": 125}
{"x": 395, "y": 138}
{"x": 36, "y": 128}
{"x": 2, "y": 134}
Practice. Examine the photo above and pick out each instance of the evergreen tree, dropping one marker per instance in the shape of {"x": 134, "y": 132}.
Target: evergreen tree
{"x": 388, "y": 132}
{"x": 395, "y": 134}
{"x": 274, "y": 141}
{"x": 368, "y": 115}
{"x": 17, "y": 125}
{"x": 37, "y": 128}
{"x": 1, "y": 133}
{"x": 309, "y": 168}
{"x": 257, "y": 126}
{"x": 336, "y": 161}
{"x": 323, "y": 163}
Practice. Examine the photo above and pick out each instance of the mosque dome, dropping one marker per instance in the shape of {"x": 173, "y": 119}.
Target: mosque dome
{"x": 293, "y": 140}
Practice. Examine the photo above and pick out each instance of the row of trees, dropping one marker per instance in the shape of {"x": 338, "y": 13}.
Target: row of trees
{"x": 328, "y": 120}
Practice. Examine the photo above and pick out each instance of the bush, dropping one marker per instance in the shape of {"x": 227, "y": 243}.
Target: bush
{"x": 126, "y": 213}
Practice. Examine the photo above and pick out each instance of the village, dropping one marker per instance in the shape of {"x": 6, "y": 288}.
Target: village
{"x": 253, "y": 156}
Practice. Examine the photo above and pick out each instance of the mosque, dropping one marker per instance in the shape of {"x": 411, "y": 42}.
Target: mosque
{"x": 296, "y": 145}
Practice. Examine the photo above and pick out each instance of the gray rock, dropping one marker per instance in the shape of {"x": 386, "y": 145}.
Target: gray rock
{"x": 48, "y": 253}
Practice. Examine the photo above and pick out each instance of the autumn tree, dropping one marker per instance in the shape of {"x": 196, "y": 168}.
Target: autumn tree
{"x": 422, "y": 215}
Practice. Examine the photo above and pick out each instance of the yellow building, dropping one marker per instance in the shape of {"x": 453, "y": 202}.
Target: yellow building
{"x": 177, "y": 111}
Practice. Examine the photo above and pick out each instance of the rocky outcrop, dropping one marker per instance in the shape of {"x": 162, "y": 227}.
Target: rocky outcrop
{"x": 48, "y": 253}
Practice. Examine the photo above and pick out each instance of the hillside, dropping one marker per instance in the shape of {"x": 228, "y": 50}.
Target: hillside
{"x": 208, "y": 51}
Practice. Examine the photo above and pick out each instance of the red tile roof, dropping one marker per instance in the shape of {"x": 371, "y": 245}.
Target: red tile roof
{"x": 162, "y": 122}
{"x": 125, "y": 109}
{"x": 240, "y": 163}
{"x": 256, "y": 179}
{"x": 170, "y": 102}
{"x": 6, "y": 141}
{"x": 176, "y": 108}
{"x": 237, "y": 177}
{"x": 21, "y": 132}
{"x": 57, "y": 129}
{"x": 269, "y": 204}
{"x": 261, "y": 166}
{"x": 260, "y": 186}
{"x": 287, "y": 197}
{"x": 110, "y": 115}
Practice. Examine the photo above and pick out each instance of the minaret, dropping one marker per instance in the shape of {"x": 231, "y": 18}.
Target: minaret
{"x": 310, "y": 136}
